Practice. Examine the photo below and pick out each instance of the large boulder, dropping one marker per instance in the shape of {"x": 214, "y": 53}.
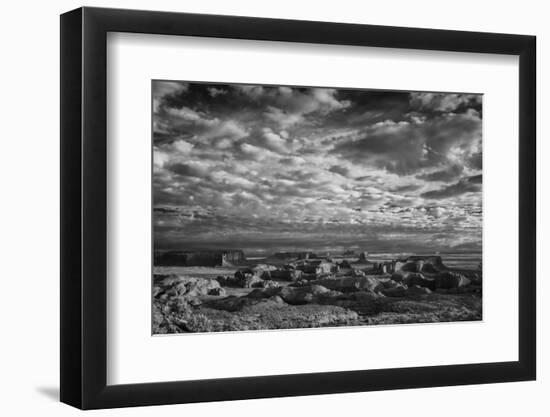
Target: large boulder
{"x": 266, "y": 284}
{"x": 246, "y": 278}
{"x": 410, "y": 267}
{"x": 303, "y": 295}
{"x": 263, "y": 292}
{"x": 296, "y": 296}
{"x": 307, "y": 268}
{"x": 231, "y": 303}
{"x": 416, "y": 278}
{"x": 403, "y": 291}
{"x": 447, "y": 280}
{"x": 263, "y": 270}
{"x": 362, "y": 302}
{"x": 429, "y": 268}
{"x": 405, "y": 266}
{"x": 223, "y": 280}
{"x": 421, "y": 263}
{"x": 217, "y": 291}
{"x": 263, "y": 274}
{"x": 236, "y": 281}
{"x": 242, "y": 272}
{"x": 293, "y": 295}
{"x": 390, "y": 283}
{"x": 249, "y": 281}
{"x": 396, "y": 289}
{"x": 398, "y": 276}
{"x": 323, "y": 268}
{"x": 286, "y": 274}
{"x": 176, "y": 286}
{"x": 417, "y": 290}
{"x": 348, "y": 284}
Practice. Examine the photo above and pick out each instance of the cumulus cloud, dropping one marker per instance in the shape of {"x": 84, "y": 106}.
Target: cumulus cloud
{"x": 164, "y": 88}
{"x": 254, "y": 152}
{"x": 465, "y": 185}
{"x": 273, "y": 141}
{"x": 406, "y": 148}
{"x": 263, "y": 167}
{"x": 282, "y": 118}
{"x": 446, "y": 174}
{"x": 444, "y": 102}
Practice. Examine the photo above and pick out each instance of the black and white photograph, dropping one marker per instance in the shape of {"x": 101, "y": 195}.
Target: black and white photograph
{"x": 285, "y": 207}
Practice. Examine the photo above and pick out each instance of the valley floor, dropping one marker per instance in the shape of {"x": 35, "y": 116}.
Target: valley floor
{"x": 208, "y": 299}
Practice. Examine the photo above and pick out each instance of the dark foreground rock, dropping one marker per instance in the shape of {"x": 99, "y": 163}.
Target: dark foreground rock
{"x": 293, "y": 295}
{"x": 427, "y": 308}
{"x": 253, "y": 314}
{"x": 265, "y": 297}
{"x": 416, "y": 278}
{"x": 448, "y": 280}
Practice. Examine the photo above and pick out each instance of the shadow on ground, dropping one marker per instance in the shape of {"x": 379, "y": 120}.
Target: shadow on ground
{"x": 50, "y": 392}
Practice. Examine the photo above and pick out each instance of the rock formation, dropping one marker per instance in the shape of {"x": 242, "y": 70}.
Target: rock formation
{"x": 199, "y": 258}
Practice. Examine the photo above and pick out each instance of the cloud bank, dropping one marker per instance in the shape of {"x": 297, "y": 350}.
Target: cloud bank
{"x": 272, "y": 168}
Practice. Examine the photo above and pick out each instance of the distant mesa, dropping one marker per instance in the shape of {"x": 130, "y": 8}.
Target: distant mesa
{"x": 200, "y": 258}
{"x": 363, "y": 256}
{"x": 304, "y": 261}
{"x": 351, "y": 254}
{"x": 294, "y": 255}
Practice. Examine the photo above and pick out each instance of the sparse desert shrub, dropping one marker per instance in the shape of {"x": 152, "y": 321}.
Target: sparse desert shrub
{"x": 197, "y": 322}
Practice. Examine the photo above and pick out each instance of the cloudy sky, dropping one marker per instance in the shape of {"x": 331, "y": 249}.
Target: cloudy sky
{"x": 266, "y": 168}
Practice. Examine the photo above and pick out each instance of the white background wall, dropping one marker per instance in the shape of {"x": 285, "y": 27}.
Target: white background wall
{"x": 29, "y": 237}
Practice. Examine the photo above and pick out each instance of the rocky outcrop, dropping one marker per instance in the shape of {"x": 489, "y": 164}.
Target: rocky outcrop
{"x": 175, "y": 286}
{"x": 226, "y": 281}
{"x": 286, "y": 274}
{"x": 263, "y": 270}
{"x": 247, "y": 278}
{"x": 316, "y": 293}
{"x": 426, "y": 264}
{"x": 348, "y": 284}
{"x": 294, "y": 295}
{"x": 217, "y": 291}
{"x": 302, "y": 295}
{"x": 447, "y": 280}
{"x": 267, "y": 284}
{"x": 416, "y": 278}
{"x": 403, "y": 291}
{"x": 315, "y": 266}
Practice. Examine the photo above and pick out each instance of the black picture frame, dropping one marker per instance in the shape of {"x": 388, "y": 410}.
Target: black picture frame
{"x": 84, "y": 207}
